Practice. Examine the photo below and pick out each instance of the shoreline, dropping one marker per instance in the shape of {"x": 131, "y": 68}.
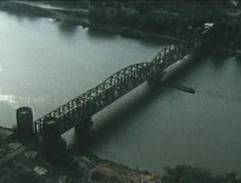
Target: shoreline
{"x": 22, "y": 160}
{"x": 66, "y": 16}
{"x": 105, "y": 164}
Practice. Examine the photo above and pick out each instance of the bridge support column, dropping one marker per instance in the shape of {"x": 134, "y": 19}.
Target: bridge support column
{"x": 83, "y": 131}
{"x": 24, "y": 117}
{"x": 54, "y": 148}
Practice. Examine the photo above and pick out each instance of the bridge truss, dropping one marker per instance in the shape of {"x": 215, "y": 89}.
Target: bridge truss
{"x": 90, "y": 102}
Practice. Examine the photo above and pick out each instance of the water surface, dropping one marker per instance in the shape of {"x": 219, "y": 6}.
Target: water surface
{"x": 43, "y": 64}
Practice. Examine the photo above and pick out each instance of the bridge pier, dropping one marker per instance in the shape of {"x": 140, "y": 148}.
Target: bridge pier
{"x": 83, "y": 131}
{"x": 54, "y": 148}
{"x": 24, "y": 117}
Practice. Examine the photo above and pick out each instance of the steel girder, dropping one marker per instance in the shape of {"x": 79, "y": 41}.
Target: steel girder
{"x": 90, "y": 102}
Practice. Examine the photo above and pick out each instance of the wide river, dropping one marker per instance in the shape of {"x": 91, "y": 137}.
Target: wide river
{"x": 43, "y": 64}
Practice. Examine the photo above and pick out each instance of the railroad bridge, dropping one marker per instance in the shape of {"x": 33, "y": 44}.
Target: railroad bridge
{"x": 78, "y": 111}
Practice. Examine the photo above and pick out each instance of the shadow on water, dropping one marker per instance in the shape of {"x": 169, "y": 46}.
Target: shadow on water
{"x": 218, "y": 58}
{"x": 113, "y": 122}
{"x": 67, "y": 28}
{"x": 20, "y": 15}
{"x": 149, "y": 42}
{"x": 93, "y": 33}
{"x": 24, "y": 11}
{"x": 238, "y": 61}
{"x": 100, "y": 34}
{"x": 183, "y": 74}
{"x": 120, "y": 118}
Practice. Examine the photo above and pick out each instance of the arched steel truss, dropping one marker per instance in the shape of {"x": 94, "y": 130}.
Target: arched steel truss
{"x": 90, "y": 102}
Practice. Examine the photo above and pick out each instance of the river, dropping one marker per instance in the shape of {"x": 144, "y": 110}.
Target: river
{"x": 43, "y": 64}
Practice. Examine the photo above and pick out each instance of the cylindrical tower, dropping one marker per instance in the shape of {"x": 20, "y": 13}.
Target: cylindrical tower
{"x": 24, "y": 117}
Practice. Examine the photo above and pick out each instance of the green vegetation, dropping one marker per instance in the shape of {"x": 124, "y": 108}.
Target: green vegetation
{"x": 136, "y": 18}
{"x": 152, "y": 16}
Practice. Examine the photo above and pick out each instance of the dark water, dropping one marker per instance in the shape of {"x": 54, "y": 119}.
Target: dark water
{"x": 43, "y": 64}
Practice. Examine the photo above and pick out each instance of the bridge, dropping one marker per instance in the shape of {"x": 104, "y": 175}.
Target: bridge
{"x": 78, "y": 111}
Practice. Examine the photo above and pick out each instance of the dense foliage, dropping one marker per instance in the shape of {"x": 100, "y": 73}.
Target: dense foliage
{"x": 153, "y": 16}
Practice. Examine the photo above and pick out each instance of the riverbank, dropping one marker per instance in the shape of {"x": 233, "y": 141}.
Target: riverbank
{"x": 169, "y": 103}
{"x": 127, "y": 21}
{"x": 23, "y": 163}
{"x": 81, "y": 17}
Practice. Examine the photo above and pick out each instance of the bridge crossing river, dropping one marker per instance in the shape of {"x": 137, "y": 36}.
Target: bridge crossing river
{"x": 79, "y": 110}
{"x": 156, "y": 124}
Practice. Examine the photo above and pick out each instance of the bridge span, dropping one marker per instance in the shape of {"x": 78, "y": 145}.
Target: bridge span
{"x": 78, "y": 111}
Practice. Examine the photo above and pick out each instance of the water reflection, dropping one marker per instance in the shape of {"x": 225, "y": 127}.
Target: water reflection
{"x": 11, "y": 99}
{"x": 7, "y": 112}
{"x": 67, "y": 28}
{"x": 100, "y": 34}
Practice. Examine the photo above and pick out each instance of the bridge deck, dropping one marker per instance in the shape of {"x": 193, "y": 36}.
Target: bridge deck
{"x": 115, "y": 86}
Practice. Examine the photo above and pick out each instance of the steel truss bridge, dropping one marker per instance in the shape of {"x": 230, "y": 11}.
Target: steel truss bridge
{"x": 78, "y": 110}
